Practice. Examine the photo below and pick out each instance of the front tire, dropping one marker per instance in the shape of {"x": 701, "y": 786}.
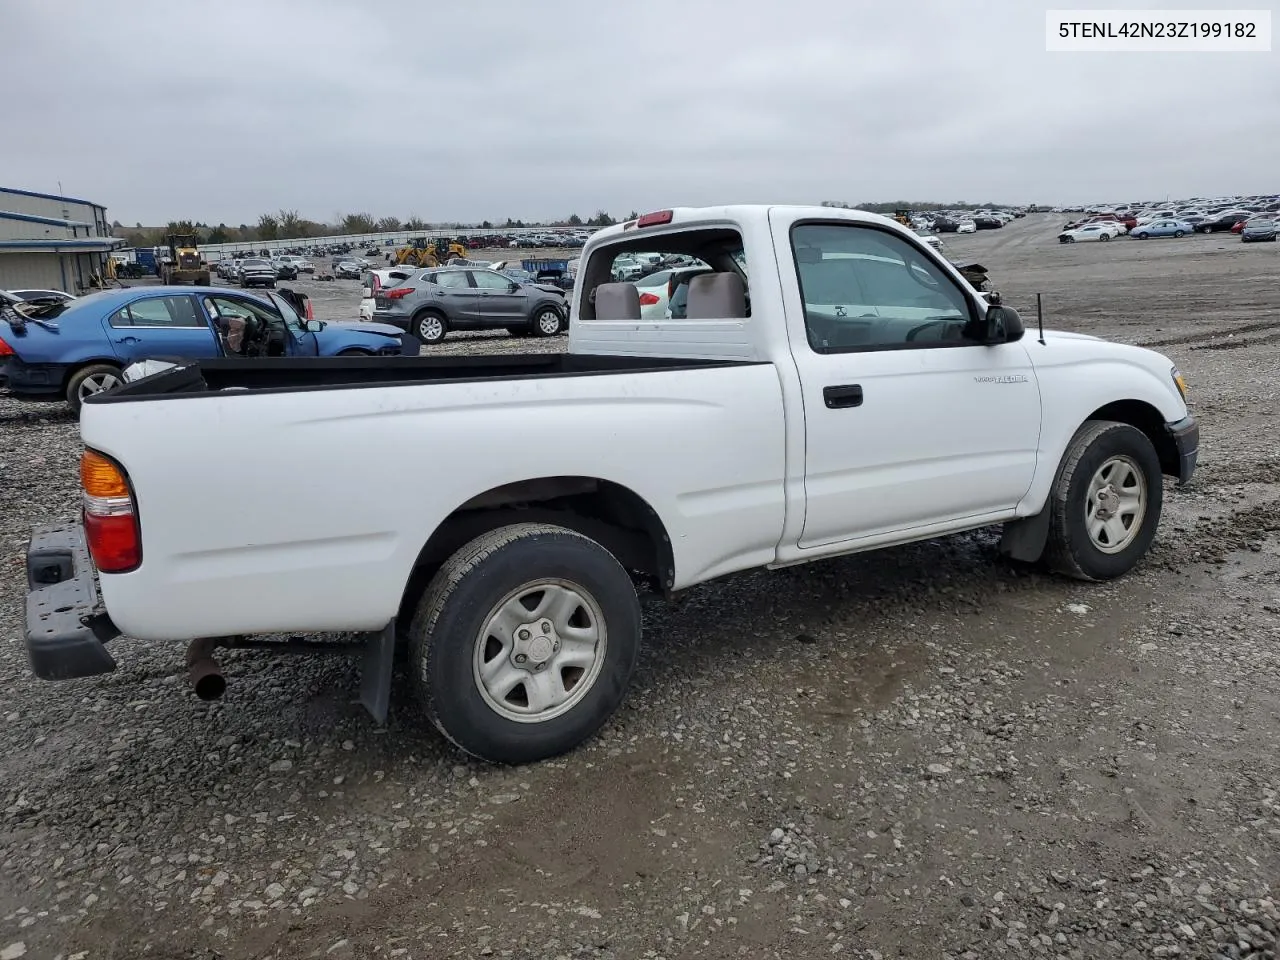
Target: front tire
{"x": 524, "y": 642}
{"x": 1106, "y": 502}
{"x": 95, "y": 378}
{"x": 547, "y": 322}
{"x": 1179, "y": 233}
{"x": 1143, "y": 236}
{"x": 1104, "y": 237}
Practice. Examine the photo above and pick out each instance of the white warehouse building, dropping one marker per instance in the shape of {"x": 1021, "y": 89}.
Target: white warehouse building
{"x": 49, "y": 242}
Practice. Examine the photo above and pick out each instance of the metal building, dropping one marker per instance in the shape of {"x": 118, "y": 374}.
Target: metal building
{"x": 52, "y": 243}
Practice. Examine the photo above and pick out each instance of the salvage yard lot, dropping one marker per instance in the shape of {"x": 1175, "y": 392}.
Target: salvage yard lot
{"x": 923, "y": 752}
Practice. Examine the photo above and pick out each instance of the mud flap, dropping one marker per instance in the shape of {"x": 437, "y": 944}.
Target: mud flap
{"x": 1025, "y": 539}
{"x": 375, "y": 672}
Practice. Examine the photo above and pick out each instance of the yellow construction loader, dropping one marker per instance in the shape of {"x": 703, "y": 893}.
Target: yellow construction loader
{"x": 421, "y": 252}
{"x": 183, "y": 265}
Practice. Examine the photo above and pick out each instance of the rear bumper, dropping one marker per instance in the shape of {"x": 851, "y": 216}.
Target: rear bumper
{"x": 1186, "y": 437}
{"x": 32, "y": 379}
{"x": 67, "y": 628}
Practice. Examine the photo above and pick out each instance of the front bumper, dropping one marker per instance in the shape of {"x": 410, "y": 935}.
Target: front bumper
{"x": 67, "y": 628}
{"x": 1186, "y": 437}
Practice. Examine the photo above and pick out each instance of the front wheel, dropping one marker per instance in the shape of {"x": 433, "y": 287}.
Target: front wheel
{"x": 1106, "y": 501}
{"x": 1143, "y": 236}
{"x": 547, "y": 321}
{"x": 1104, "y": 236}
{"x": 523, "y": 644}
{"x": 1179, "y": 233}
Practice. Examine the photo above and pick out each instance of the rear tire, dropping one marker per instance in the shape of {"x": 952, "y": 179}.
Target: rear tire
{"x": 1179, "y": 233}
{"x": 1143, "y": 236}
{"x": 429, "y": 327}
{"x": 1106, "y": 502}
{"x": 95, "y": 378}
{"x": 1104, "y": 237}
{"x": 523, "y": 644}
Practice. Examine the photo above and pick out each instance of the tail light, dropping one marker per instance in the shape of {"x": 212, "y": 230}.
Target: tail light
{"x": 110, "y": 519}
{"x": 6, "y": 350}
{"x": 649, "y": 299}
{"x": 398, "y": 293}
{"x": 311, "y": 313}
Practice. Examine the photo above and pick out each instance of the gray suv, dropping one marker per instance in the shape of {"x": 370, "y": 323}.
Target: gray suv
{"x": 432, "y": 302}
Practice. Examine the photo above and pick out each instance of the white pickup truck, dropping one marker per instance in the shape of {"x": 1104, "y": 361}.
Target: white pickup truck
{"x": 836, "y": 386}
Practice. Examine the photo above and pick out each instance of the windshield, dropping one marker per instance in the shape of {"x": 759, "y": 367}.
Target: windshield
{"x": 254, "y": 263}
{"x": 1265, "y": 224}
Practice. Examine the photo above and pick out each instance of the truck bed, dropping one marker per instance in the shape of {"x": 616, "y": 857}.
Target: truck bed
{"x": 298, "y": 374}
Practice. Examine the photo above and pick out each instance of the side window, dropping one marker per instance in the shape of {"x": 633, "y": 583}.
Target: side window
{"x": 868, "y": 289}
{"x": 121, "y": 318}
{"x": 452, "y": 280}
{"x": 163, "y": 312}
{"x": 490, "y": 280}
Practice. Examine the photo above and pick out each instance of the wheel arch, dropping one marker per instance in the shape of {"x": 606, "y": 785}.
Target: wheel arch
{"x": 1025, "y": 538}
{"x": 610, "y": 513}
{"x": 75, "y": 366}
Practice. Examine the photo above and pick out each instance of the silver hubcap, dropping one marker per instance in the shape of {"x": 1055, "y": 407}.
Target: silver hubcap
{"x": 97, "y": 383}
{"x": 549, "y": 322}
{"x": 1117, "y": 504}
{"x": 540, "y": 651}
{"x": 431, "y": 328}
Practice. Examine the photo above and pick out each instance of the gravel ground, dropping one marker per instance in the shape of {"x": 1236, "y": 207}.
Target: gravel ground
{"x": 923, "y": 752}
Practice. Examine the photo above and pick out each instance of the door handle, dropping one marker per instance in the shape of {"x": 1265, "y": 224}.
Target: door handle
{"x": 127, "y": 340}
{"x": 846, "y": 395}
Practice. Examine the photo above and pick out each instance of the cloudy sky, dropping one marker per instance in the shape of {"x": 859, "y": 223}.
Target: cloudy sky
{"x": 488, "y": 109}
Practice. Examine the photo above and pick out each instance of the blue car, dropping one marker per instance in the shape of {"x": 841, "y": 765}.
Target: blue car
{"x": 1161, "y": 228}
{"x": 80, "y": 347}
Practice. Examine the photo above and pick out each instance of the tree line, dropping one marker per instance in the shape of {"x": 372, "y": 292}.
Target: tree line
{"x": 290, "y": 225}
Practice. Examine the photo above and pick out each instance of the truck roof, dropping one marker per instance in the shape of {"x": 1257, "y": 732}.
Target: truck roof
{"x": 747, "y": 213}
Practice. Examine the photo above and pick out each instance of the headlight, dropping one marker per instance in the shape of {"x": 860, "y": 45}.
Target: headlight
{"x": 1179, "y": 382}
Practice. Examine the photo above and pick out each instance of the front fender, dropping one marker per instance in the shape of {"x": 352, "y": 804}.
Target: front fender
{"x": 332, "y": 343}
{"x": 1075, "y": 382}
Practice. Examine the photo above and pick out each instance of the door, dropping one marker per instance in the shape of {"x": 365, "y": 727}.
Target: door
{"x": 161, "y": 326}
{"x": 456, "y": 297}
{"x": 907, "y": 422}
{"x": 497, "y": 304}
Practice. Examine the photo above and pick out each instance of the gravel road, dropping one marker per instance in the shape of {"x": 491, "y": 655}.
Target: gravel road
{"x": 921, "y": 753}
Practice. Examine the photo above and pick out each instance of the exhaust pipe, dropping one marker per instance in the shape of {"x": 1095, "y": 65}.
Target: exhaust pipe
{"x": 203, "y": 671}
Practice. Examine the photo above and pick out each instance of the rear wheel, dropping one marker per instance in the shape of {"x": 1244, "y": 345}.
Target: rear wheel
{"x": 524, "y": 642}
{"x": 1206, "y": 229}
{"x": 1106, "y": 502}
{"x": 1104, "y": 236}
{"x": 1143, "y": 235}
{"x": 1179, "y": 233}
{"x": 429, "y": 327}
{"x": 87, "y": 381}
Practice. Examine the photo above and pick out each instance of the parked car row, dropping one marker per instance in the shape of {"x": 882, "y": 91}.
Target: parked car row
{"x": 281, "y": 268}
{"x": 1253, "y": 228}
{"x": 76, "y": 347}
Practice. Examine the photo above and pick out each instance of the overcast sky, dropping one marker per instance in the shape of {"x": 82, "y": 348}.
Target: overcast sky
{"x": 487, "y": 109}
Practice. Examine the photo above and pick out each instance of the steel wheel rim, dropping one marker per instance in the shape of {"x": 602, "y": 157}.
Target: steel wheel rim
{"x": 1116, "y": 504}
{"x": 549, "y": 322}
{"x": 431, "y": 328}
{"x": 97, "y": 383}
{"x": 540, "y": 651}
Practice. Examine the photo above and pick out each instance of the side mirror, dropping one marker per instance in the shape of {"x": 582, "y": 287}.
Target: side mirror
{"x": 514, "y": 288}
{"x": 314, "y": 326}
{"x": 1001, "y": 324}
